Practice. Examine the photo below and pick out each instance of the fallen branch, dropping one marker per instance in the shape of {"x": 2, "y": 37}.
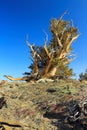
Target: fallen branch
{"x": 10, "y": 123}
{"x": 11, "y": 78}
{"x": 30, "y": 78}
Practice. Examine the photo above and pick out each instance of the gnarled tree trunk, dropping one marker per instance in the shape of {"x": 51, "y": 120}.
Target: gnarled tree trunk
{"x": 47, "y": 60}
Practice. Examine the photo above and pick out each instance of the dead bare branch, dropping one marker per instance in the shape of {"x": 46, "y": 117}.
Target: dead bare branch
{"x": 10, "y": 123}
{"x": 34, "y": 53}
{"x": 66, "y": 12}
{"x": 59, "y": 42}
{"x": 74, "y": 38}
{"x": 45, "y": 47}
{"x": 11, "y": 78}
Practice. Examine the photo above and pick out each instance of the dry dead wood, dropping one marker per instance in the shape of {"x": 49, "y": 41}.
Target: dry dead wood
{"x": 7, "y": 123}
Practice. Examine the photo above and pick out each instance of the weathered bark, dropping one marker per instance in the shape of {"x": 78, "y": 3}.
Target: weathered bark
{"x": 35, "y": 68}
{"x": 52, "y": 72}
{"x": 26, "y": 78}
{"x": 45, "y": 73}
{"x": 11, "y": 78}
{"x": 36, "y": 57}
{"x": 10, "y": 123}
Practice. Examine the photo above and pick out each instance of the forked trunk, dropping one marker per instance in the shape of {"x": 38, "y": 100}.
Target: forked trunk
{"x": 45, "y": 73}
{"x": 52, "y": 72}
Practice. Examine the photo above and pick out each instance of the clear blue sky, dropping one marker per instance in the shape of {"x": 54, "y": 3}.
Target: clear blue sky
{"x": 21, "y": 17}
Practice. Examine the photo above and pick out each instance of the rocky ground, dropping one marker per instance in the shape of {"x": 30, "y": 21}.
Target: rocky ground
{"x": 38, "y": 106}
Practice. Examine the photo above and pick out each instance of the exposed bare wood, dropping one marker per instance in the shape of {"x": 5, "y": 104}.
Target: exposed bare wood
{"x": 66, "y": 12}
{"x": 68, "y": 61}
{"x": 47, "y": 52}
{"x": 26, "y": 78}
{"x": 72, "y": 23}
{"x": 74, "y": 38}
{"x": 10, "y": 123}
{"x": 11, "y": 78}
{"x": 35, "y": 68}
{"x": 45, "y": 46}
{"x": 59, "y": 42}
{"x": 47, "y": 68}
{"x": 48, "y": 59}
{"x": 52, "y": 72}
{"x": 33, "y": 51}
{"x": 61, "y": 53}
{"x": 34, "y": 55}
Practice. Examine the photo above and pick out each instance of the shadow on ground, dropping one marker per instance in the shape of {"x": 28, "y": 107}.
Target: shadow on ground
{"x": 59, "y": 119}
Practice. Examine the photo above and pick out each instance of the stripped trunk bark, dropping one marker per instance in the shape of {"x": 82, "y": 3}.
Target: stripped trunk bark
{"x": 45, "y": 73}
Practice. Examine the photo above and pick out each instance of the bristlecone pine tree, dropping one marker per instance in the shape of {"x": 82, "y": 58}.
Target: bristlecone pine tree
{"x": 83, "y": 76}
{"x": 53, "y": 59}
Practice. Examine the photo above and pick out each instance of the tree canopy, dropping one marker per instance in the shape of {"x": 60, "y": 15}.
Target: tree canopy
{"x": 52, "y": 59}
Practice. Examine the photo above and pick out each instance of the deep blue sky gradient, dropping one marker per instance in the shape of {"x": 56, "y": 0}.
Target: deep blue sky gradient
{"x": 21, "y": 17}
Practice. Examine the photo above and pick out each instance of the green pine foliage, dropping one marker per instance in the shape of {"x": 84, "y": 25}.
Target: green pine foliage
{"x": 59, "y": 48}
{"x": 83, "y": 76}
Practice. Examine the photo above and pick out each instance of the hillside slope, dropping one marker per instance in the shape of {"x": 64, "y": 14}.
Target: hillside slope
{"x": 38, "y": 106}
